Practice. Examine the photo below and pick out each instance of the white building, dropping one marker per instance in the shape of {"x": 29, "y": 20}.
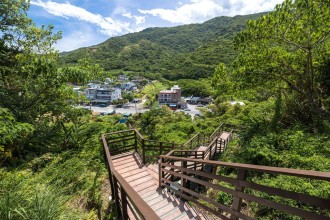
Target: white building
{"x": 122, "y": 77}
{"x": 110, "y": 94}
{"x": 99, "y": 93}
{"x": 91, "y": 93}
{"x": 128, "y": 86}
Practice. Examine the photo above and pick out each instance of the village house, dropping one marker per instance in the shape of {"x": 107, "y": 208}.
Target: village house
{"x": 171, "y": 98}
{"x": 103, "y": 94}
{"x": 129, "y": 86}
{"x": 122, "y": 77}
{"x": 110, "y": 94}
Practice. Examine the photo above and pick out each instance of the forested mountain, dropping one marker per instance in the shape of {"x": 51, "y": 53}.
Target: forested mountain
{"x": 187, "y": 51}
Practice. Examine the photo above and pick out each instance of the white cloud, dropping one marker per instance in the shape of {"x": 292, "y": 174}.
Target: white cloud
{"x": 107, "y": 25}
{"x": 138, "y": 19}
{"x": 201, "y": 10}
{"x": 81, "y": 36}
{"x": 127, "y": 14}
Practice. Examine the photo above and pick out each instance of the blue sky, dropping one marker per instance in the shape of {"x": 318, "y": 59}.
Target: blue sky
{"x": 89, "y": 22}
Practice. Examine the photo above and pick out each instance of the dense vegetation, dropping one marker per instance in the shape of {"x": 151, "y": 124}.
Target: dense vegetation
{"x": 50, "y": 154}
{"x": 50, "y": 157}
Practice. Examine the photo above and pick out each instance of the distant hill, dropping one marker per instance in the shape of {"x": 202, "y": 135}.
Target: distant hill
{"x": 187, "y": 51}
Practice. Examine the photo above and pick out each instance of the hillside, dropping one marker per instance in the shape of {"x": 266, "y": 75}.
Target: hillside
{"x": 187, "y": 51}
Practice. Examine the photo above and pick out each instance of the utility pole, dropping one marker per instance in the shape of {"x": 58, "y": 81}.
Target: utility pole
{"x": 135, "y": 107}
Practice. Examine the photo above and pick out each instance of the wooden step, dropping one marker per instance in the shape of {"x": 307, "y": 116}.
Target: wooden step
{"x": 153, "y": 171}
{"x": 137, "y": 174}
{"x": 144, "y": 180}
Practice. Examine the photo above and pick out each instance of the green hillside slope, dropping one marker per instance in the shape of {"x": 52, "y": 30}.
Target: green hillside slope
{"x": 187, "y": 51}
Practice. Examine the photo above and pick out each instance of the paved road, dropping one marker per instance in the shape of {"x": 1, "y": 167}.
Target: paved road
{"x": 133, "y": 108}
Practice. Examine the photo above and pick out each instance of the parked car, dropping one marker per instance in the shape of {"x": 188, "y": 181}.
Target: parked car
{"x": 126, "y": 114}
{"x": 103, "y": 105}
{"x": 108, "y": 113}
{"x": 200, "y": 106}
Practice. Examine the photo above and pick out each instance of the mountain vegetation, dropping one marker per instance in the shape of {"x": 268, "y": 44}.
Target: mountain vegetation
{"x": 51, "y": 162}
{"x": 184, "y": 52}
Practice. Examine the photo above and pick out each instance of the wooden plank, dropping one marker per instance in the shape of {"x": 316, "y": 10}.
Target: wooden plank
{"x": 204, "y": 174}
{"x": 237, "y": 202}
{"x": 222, "y": 217}
{"x": 318, "y": 202}
{"x": 311, "y": 200}
{"x": 121, "y": 147}
{"x": 282, "y": 207}
{"x": 266, "y": 169}
{"x": 119, "y": 132}
{"x": 269, "y": 203}
{"x": 121, "y": 137}
{"x": 216, "y": 204}
{"x": 121, "y": 150}
{"x": 225, "y": 136}
{"x": 203, "y": 183}
{"x": 137, "y": 201}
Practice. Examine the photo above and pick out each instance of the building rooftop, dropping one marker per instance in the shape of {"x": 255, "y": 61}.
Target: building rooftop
{"x": 171, "y": 90}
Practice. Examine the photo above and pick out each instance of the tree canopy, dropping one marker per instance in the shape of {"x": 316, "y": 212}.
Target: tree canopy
{"x": 33, "y": 90}
{"x": 284, "y": 53}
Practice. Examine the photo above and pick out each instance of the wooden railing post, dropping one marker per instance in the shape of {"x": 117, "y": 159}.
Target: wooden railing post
{"x": 110, "y": 175}
{"x": 172, "y": 169}
{"x": 160, "y": 172}
{"x": 198, "y": 137}
{"x": 135, "y": 142}
{"x": 210, "y": 154}
{"x": 160, "y": 148}
{"x": 124, "y": 203}
{"x": 143, "y": 152}
{"x": 237, "y": 203}
{"x": 116, "y": 195}
{"x": 183, "y": 180}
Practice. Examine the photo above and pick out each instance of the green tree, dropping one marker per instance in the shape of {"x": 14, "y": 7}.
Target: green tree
{"x": 83, "y": 72}
{"x": 32, "y": 87}
{"x": 11, "y": 134}
{"x": 283, "y": 51}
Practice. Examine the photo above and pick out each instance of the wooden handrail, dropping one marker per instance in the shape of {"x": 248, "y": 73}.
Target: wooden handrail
{"x": 266, "y": 169}
{"x": 171, "y": 169}
{"x": 216, "y": 130}
{"x": 140, "y": 205}
{"x": 191, "y": 139}
{"x": 187, "y": 168}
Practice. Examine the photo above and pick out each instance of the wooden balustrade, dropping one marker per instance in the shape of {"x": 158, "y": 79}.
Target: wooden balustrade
{"x": 241, "y": 186}
{"x": 125, "y": 197}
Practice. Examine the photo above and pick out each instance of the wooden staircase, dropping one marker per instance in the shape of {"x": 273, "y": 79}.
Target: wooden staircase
{"x": 144, "y": 180}
{"x": 154, "y": 180}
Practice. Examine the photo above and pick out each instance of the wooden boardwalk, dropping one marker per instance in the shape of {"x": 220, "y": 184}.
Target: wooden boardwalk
{"x": 144, "y": 180}
{"x": 141, "y": 191}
